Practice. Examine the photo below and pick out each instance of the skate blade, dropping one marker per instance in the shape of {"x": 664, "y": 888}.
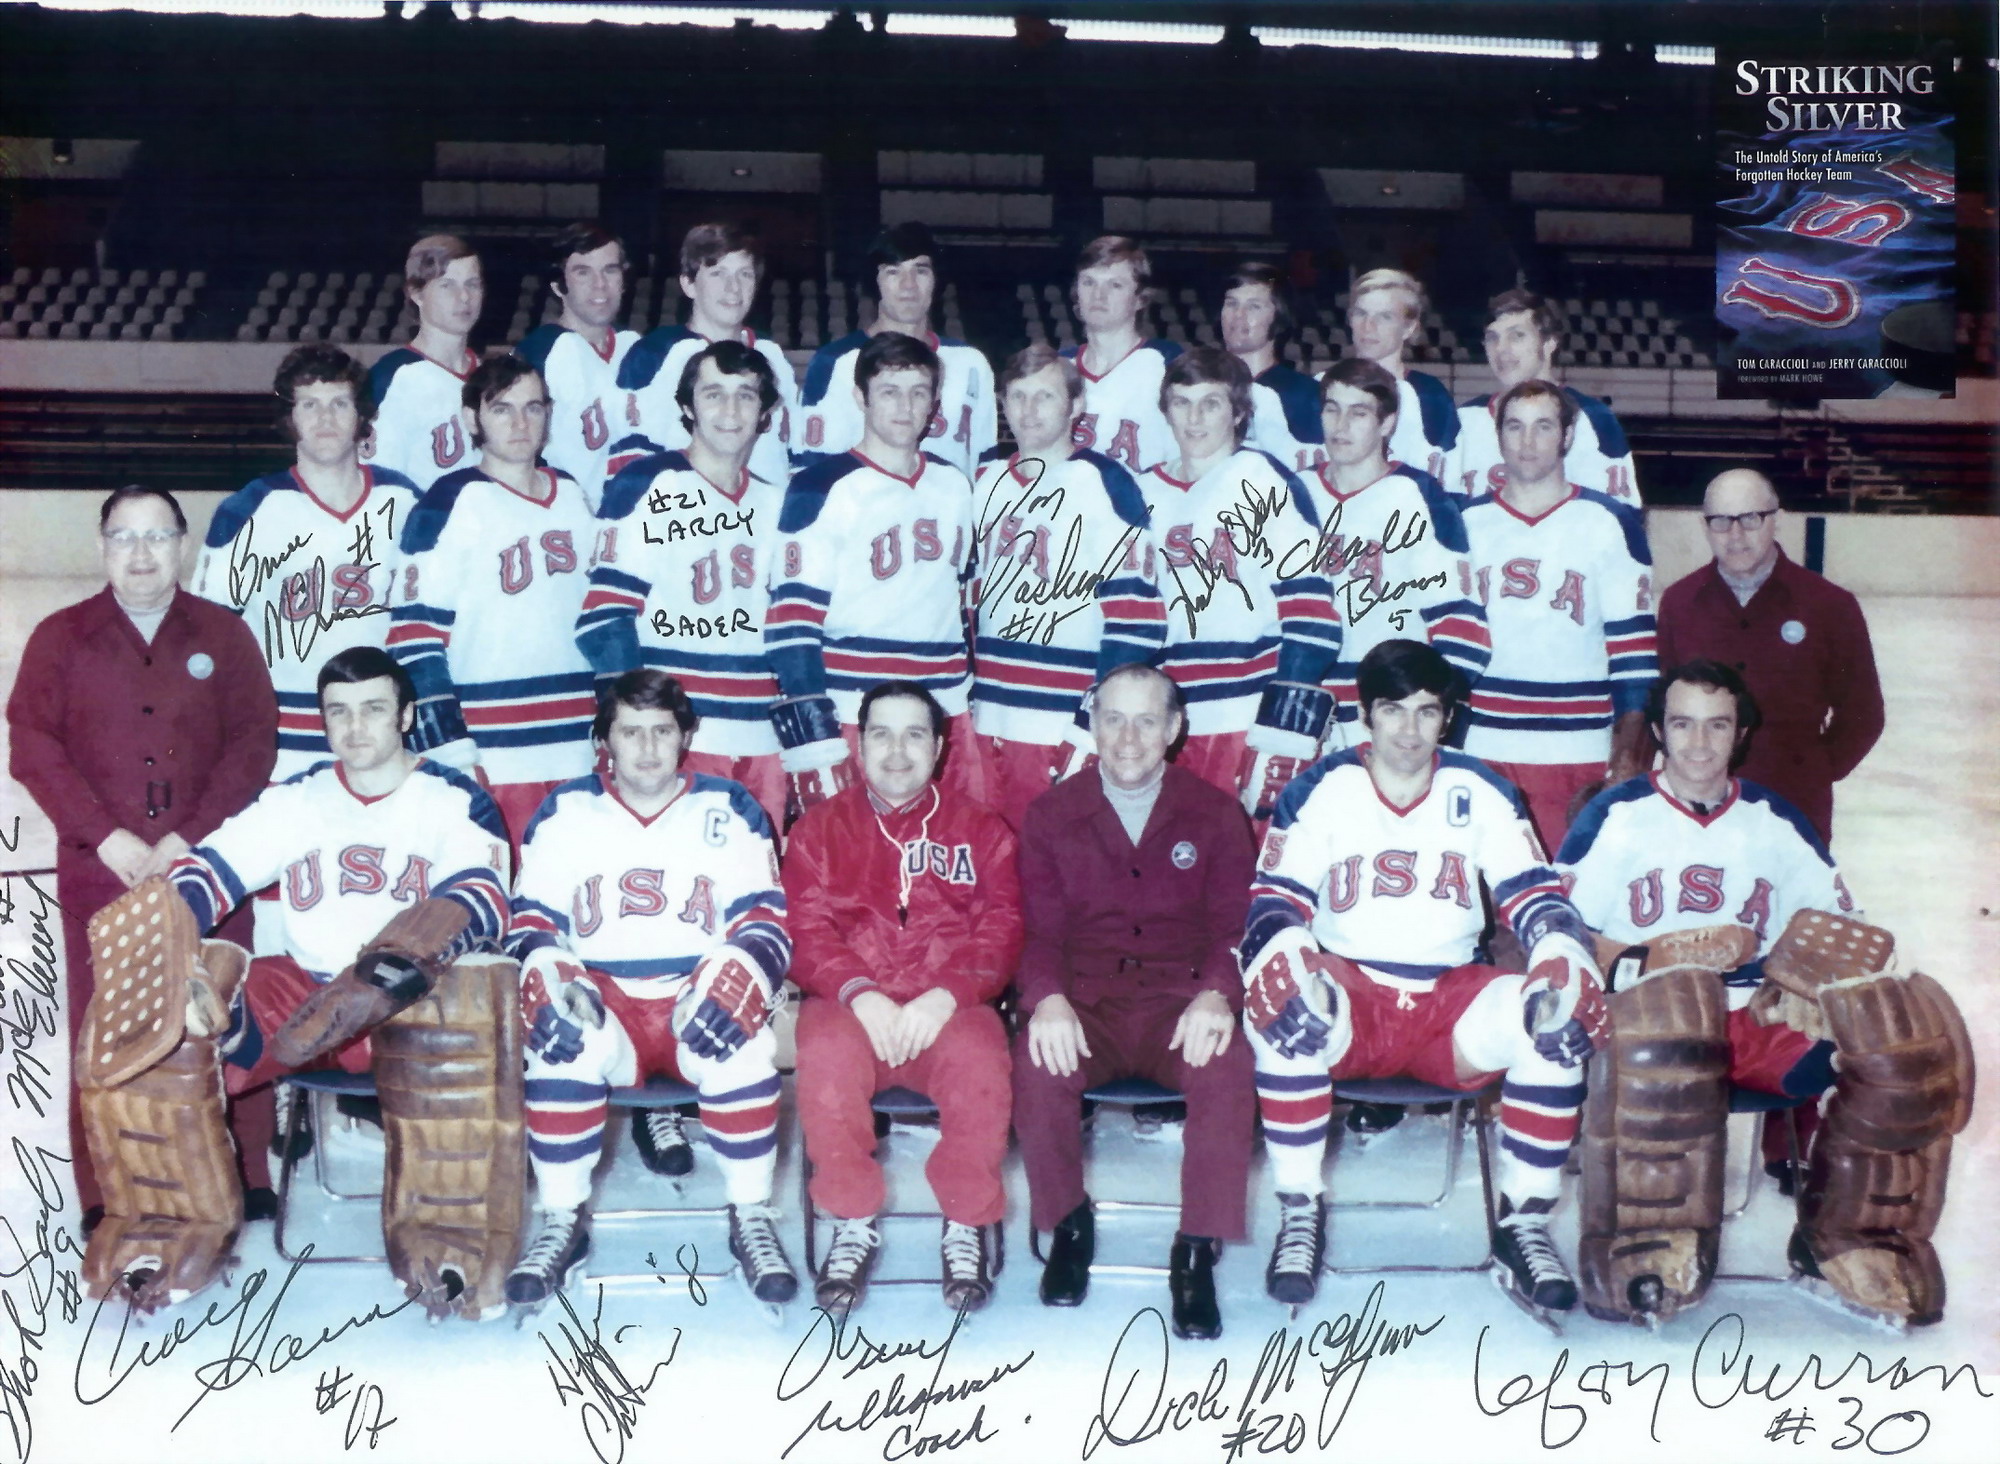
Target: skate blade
{"x": 1823, "y": 1292}
{"x": 771, "y": 1312}
{"x": 1554, "y": 1321}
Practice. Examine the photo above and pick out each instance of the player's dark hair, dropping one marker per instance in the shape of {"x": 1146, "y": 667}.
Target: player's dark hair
{"x": 708, "y": 244}
{"x": 430, "y": 257}
{"x": 644, "y": 689}
{"x": 139, "y": 490}
{"x": 883, "y": 689}
{"x": 1524, "y": 390}
{"x": 1147, "y": 672}
{"x": 731, "y": 358}
{"x": 1395, "y": 669}
{"x": 1713, "y": 676}
{"x": 1205, "y": 364}
{"x": 894, "y": 351}
{"x": 586, "y": 236}
{"x": 1363, "y": 376}
{"x": 366, "y": 663}
{"x": 901, "y": 243}
{"x": 1033, "y": 359}
{"x": 312, "y": 365}
{"x": 1257, "y": 272}
{"x": 491, "y": 379}
{"x": 1548, "y": 317}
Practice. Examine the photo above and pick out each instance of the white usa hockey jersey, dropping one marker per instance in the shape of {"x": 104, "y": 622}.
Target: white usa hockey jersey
{"x": 1068, "y": 589}
{"x": 1241, "y": 574}
{"x": 1569, "y": 603}
{"x": 310, "y": 582}
{"x": 486, "y": 617}
{"x": 650, "y": 375}
{"x": 964, "y": 424}
{"x": 1396, "y": 890}
{"x": 1426, "y": 434}
{"x": 643, "y": 900}
{"x": 1599, "y": 456}
{"x": 583, "y": 396}
{"x": 419, "y": 429}
{"x": 1641, "y": 864}
{"x": 1121, "y": 415}
{"x": 681, "y": 583}
{"x": 346, "y": 865}
{"x": 1396, "y": 555}
{"x": 1285, "y": 418}
{"x": 871, "y": 582}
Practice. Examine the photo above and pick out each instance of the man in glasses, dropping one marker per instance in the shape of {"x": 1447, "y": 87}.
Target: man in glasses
{"x": 1799, "y": 641}
{"x": 141, "y": 719}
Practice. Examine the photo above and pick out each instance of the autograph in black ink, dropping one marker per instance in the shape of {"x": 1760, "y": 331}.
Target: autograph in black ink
{"x": 364, "y": 1401}
{"x": 1012, "y": 547}
{"x": 584, "y": 1369}
{"x": 28, "y": 1001}
{"x": 836, "y": 1342}
{"x": 46, "y": 1263}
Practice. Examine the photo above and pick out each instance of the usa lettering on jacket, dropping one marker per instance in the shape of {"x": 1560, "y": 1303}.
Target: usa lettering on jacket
{"x": 951, "y": 863}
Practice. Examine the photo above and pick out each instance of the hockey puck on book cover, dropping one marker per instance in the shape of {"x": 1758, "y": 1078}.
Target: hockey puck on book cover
{"x": 1922, "y": 337}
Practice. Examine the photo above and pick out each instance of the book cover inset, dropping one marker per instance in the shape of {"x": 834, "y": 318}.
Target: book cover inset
{"x": 1836, "y": 227}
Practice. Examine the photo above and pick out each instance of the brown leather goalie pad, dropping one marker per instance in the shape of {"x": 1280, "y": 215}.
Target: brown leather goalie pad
{"x": 448, "y": 1073}
{"x": 1875, "y": 1181}
{"x": 160, "y": 1141}
{"x": 1652, "y": 1150}
{"x": 405, "y": 958}
{"x": 1815, "y": 949}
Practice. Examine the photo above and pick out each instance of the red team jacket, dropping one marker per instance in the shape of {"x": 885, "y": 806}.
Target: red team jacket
{"x": 845, "y": 870}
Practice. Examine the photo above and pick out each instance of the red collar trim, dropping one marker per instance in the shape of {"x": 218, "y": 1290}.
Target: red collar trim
{"x": 1389, "y": 471}
{"x": 471, "y": 361}
{"x": 734, "y": 495}
{"x": 1569, "y": 497}
{"x": 367, "y": 487}
{"x": 909, "y": 482}
{"x": 340, "y": 772}
{"x": 554, "y": 489}
{"x": 1704, "y": 819}
{"x": 1365, "y": 750}
{"x": 1160, "y": 472}
{"x": 610, "y": 786}
{"x": 1089, "y": 375}
{"x": 610, "y": 344}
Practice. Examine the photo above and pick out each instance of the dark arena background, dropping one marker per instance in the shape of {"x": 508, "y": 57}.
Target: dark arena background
{"x": 188, "y": 191}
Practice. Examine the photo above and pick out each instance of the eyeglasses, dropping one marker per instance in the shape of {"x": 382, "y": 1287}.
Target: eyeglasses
{"x": 1722, "y": 523}
{"x": 128, "y": 539}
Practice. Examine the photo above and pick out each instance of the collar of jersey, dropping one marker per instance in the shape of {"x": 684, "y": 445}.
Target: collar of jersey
{"x": 646, "y": 820}
{"x": 1567, "y": 498}
{"x": 1401, "y": 810}
{"x": 909, "y": 482}
{"x": 367, "y": 487}
{"x": 1704, "y": 819}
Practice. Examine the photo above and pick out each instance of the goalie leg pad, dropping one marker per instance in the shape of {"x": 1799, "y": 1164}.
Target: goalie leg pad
{"x": 172, "y": 1202}
{"x": 448, "y": 1072}
{"x": 1866, "y": 1220}
{"x": 1652, "y": 1149}
{"x": 1906, "y": 1072}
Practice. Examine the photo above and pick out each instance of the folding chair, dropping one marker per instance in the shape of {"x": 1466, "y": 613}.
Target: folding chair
{"x": 1745, "y": 1140}
{"x": 1128, "y": 1093}
{"x": 890, "y": 1104}
{"x": 1478, "y": 1106}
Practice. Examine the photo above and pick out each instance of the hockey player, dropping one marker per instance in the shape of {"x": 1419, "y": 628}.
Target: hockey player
{"x": 1068, "y": 586}
{"x": 1361, "y": 960}
{"x": 377, "y": 841}
{"x": 1523, "y": 333}
{"x": 1384, "y": 313}
{"x": 1251, "y": 628}
{"x": 1256, "y": 320}
{"x": 492, "y": 585}
{"x": 613, "y": 994}
{"x": 1567, "y": 580}
{"x": 1396, "y": 550}
{"x": 876, "y": 551}
{"x": 419, "y": 429}
{"x": 720, "y": 267}
{"x": 580, "y": 352}
{"x": 1703, "y": 887}
{"x": 682, "y": 575}
{"x": 308, "y": 556}
{"x": 1121, "y": 370}
{"x": 906, "y": 911}
{"x": 962, "y": 429}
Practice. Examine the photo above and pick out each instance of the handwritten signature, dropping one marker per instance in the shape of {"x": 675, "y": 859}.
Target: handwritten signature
{"x": 28, "y": 1000}
{"x": 1036, "y": 605}
{"x": 49, "y": 1283}
{"x": 910, "y": 1411}
{"x": 584, "y": 1369}
{"x": 365, "y": 1403}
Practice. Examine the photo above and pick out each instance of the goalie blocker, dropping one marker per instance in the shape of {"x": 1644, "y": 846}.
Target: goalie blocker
{"x": 176, "y": 1023}
{"x": 1875, "y": 1179}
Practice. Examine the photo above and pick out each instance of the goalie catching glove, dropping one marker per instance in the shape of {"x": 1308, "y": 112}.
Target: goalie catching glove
{"x": 392, "y": 972}
{"x": 1562, "y": 1001}
{"x": 557, "y": 1004}
{"x": 1291, "y": 719}
{"x": 733, "y": 1001}
{"x": 1287, "y": 990}
{"x": 812, "y": 752}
